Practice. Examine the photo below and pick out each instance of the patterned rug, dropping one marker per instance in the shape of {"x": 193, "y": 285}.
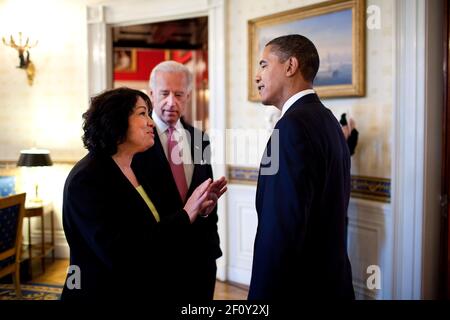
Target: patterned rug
{"x": 31, "y": 291}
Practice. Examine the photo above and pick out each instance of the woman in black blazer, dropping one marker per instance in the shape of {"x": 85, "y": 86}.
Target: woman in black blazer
{"x": 121, "y": 247}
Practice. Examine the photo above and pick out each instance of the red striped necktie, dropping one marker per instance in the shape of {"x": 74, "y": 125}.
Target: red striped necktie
{"x": 175, "y": 153}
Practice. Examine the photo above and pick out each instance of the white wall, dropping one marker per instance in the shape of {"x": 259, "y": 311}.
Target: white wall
{"x": 48, "y": 113}
{"x": 372, "y": 113}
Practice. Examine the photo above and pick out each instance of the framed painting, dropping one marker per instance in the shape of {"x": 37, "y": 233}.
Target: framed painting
{"x": 125, "y": 60}
{"x": 337, "y": 28}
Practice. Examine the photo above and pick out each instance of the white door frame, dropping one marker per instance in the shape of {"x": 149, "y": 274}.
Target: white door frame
{"x": 416, "y": 150}
{"x": 102, "y": 18}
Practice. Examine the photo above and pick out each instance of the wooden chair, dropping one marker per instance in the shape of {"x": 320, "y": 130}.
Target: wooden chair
{"x": 12, "y": 210}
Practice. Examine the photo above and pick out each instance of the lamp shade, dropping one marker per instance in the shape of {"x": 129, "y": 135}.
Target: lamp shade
{"x": 34, "y": 158}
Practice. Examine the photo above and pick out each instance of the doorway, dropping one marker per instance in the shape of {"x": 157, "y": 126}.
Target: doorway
{"x": 444, "y": 290}
{"x": 137, "y": 49}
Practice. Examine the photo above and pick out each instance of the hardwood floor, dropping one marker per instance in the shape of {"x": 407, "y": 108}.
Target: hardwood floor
{"x": 229, "y": 291}
{"x": 56, "y": 274}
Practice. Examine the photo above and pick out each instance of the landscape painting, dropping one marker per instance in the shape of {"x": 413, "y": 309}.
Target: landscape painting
{"x": 339, "y": 39}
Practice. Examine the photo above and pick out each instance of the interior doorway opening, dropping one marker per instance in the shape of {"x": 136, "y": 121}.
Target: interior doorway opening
{"x": 137, "y": 49}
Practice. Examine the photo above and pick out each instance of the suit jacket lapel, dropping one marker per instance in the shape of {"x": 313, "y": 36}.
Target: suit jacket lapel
{"x": 120, "y": 180}
{"x": 195, "y": 150}
{"x": 262, "y": 178}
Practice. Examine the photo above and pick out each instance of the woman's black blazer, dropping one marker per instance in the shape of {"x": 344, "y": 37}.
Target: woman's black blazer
{"x": 116, "y": 243}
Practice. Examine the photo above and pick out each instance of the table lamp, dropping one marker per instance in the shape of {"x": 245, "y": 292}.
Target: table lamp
{"x": 35, "y": 158}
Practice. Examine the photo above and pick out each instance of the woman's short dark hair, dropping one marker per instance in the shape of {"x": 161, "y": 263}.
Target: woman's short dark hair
{"x": 105, "y": 123}
{"x": 300, "y": 47}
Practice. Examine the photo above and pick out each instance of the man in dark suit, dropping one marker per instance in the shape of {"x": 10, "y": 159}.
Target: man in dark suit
{"x": 173, "y": 175}
{"x": 303, "y": 186}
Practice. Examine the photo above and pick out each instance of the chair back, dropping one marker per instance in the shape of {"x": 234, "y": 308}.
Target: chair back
{"x": 12, "y": 211}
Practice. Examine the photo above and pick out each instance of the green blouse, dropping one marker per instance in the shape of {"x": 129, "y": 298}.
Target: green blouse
{"x": 149, "y": 202}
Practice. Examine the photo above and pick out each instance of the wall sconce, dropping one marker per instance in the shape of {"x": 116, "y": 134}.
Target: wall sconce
{"x": 24, "y": 55}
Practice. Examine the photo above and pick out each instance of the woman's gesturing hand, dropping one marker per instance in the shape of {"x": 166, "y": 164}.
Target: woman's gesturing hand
{"x": 198, "y": 200}
{"x": 216, "y": 190}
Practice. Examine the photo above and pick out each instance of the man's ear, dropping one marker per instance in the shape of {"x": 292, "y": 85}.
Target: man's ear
{"x": 291, "y": 66}
{"x": 151, "y": 95}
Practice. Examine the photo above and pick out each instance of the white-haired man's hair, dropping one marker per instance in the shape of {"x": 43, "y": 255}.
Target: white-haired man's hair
{"x": 170, "y": 66}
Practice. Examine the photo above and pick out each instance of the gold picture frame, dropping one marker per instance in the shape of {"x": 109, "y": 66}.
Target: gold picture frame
{"x": 125, "y": 60}
{"x": 337, "y": 28}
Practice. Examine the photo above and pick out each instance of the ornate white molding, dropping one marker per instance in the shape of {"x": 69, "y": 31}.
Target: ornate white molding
{"x": 409, "y": 148}
{"x": 95, "y": 14}
{"x": 370, "y": 230}
{"x": 99, "y": 41}
{"x": 217, "y": 114}
{"x": 370, "y": 243}
{"x": 242, "y": 223}
{"x": 417, "y": 148}
{"x": 131, "y": 12}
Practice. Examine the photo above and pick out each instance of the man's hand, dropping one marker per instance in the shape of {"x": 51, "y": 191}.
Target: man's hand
{"x": 348, "y": 128}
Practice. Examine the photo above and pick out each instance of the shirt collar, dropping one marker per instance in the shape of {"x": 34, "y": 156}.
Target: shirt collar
{"x": 162, "y": 126}
{"x": 294, "y": 98}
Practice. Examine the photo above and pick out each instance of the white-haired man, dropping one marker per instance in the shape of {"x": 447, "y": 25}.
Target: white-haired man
{"x": 175, "y": 166}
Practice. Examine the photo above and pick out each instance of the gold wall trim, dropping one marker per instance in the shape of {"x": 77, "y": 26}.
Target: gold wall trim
{"x": 242, "y": 175}
{"x": 371, "y": 188}
{"x": 362, "y": 187}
